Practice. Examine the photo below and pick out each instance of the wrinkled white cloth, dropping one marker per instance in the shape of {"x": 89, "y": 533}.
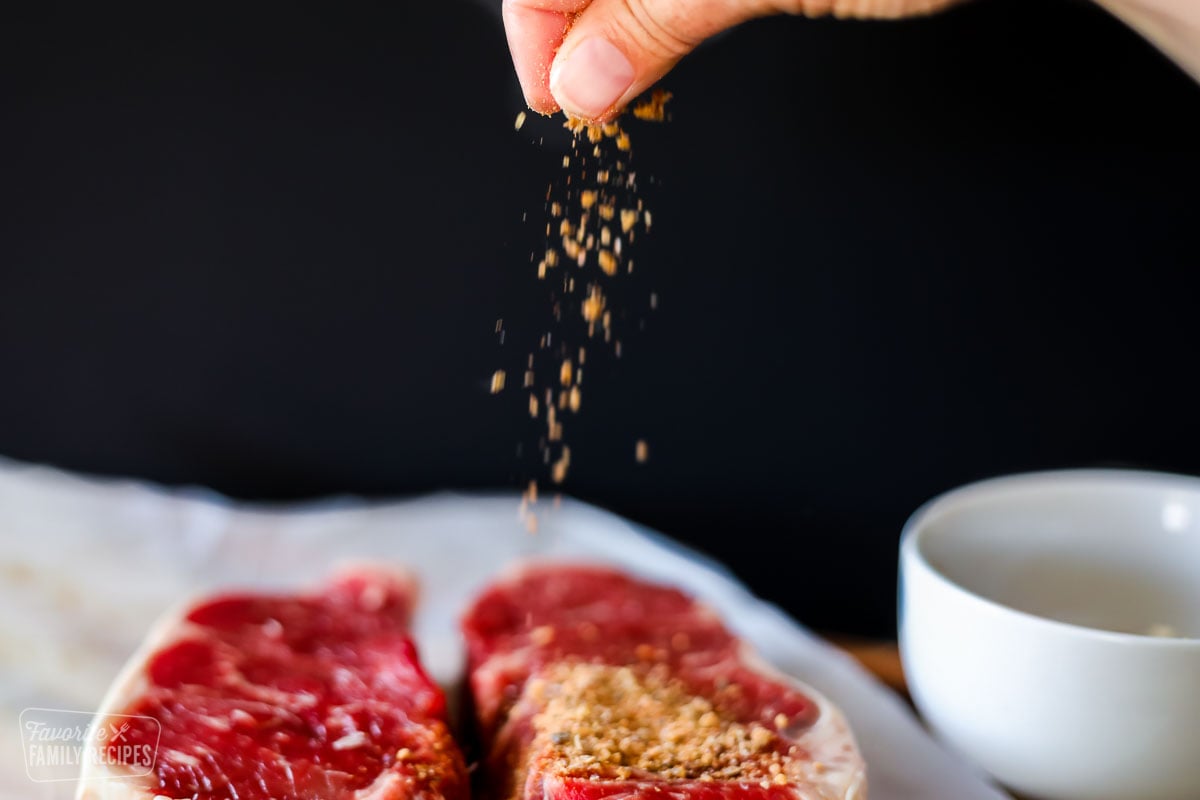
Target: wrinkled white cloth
{"x": 87, "y": 565}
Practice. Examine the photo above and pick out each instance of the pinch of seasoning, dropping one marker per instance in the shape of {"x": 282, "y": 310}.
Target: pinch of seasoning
{"x": 641, "y": 451}
{"x": 498, "y": 381}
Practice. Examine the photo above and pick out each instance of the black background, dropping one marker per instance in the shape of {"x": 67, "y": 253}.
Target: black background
{"x": 262, "y": 248}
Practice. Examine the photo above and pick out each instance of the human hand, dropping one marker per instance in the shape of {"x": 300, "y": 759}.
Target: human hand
{"x": 591, "y": 57}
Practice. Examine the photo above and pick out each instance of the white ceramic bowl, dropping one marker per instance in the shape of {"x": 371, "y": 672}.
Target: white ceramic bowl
{"x": 1024, "y": 607}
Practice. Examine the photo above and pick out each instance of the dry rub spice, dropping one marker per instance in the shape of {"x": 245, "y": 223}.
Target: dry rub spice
{"x": 613, "y": 722}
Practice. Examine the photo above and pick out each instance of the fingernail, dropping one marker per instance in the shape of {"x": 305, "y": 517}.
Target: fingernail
{"x": 589, "y": 79}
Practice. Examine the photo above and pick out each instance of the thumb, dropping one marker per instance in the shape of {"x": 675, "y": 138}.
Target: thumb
{"x": 616, "y": 49}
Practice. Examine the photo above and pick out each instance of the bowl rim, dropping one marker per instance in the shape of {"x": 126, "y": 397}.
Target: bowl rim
{"x": 916, "y": 523}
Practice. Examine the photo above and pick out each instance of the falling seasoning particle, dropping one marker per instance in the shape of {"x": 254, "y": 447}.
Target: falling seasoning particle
{"x": 520, "y": 121}
{"x": 607, "y": 211}
{"x": 587, "y": 199}
{"x": 623, "y": 142}
{"x": 593, "y": 306}
{"x": 528, "y": 379}
{"x": 497, "y": 381}
{"x": 499, "y": 325}
{"x": 558, "y": 472}
{"x": 654, "y": 109}
{"x": 605, "y": 236}
{"x": 653, "y": 300}
{"x": 566, "y": 161}
{"x": 564, "y": 373}
{"x": 629, "y": 218}
{"x": 531, "y": 492}
{"x": 607, "y": 261}
{"x": 533, "y": 405}
{"x": 646, "y": 218}
{"x": 641, "y": 451}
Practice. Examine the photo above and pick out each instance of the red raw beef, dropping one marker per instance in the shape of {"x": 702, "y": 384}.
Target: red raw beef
{"x": 588, "y": 684}
{"x": 317, "y": 696}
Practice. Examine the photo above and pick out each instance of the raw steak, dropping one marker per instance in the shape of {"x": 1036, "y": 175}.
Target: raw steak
{"x": 317, "y": 696}
{"x": 587, "y": 684}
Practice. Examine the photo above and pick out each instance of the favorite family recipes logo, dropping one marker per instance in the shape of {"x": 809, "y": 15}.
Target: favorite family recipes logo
{"x": 62, "y": 745}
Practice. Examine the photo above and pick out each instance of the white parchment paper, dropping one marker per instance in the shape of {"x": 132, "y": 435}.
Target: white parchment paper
{"x": 86, "y": 566}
